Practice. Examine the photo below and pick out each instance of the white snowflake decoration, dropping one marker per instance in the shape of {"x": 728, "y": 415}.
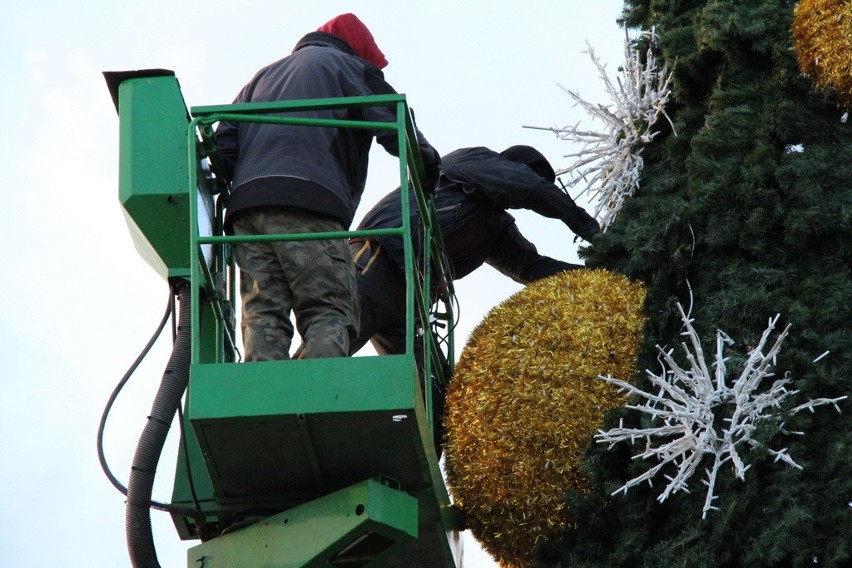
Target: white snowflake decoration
{"x": 689, "y": 430}
{"x": 610, "y": 161}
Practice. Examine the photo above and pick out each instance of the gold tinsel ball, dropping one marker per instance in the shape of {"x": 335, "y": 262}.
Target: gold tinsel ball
{"x": 526, "y": 399}
{"x": 822, "y": 40}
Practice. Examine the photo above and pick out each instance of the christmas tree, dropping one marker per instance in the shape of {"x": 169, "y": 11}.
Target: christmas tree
{"x": 742, "y": 213}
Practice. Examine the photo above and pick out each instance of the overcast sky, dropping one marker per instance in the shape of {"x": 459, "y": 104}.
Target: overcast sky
{"x": 79, "y": 303}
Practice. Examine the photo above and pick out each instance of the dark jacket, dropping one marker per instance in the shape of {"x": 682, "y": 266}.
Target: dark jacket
{"x": 315, "y": 168}
{"x": 478, "y": 186}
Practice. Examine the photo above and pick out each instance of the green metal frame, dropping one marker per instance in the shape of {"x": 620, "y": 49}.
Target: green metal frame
{"x": 281, "y": 435}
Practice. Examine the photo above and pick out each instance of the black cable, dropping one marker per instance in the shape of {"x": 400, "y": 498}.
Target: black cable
{"x": 172, "y": 306}
{"x": 120, "y": 386}
{"x": 170, "y": 310}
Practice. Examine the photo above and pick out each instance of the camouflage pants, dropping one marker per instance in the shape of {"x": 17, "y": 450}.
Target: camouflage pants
{"x": 313, "y": 279}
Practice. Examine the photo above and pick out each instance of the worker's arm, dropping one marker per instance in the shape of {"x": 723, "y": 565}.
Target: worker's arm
{"x": 515, "y": 186}
{"x": 375, "y": 84}
{"x": 516, "y": 257}
{"x": 228, "y": 146}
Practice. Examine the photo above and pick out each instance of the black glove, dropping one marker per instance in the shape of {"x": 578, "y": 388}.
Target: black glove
{"x": 589, "y": 230}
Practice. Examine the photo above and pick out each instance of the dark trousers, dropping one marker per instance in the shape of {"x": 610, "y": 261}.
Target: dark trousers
{"x": 381, "y": 298}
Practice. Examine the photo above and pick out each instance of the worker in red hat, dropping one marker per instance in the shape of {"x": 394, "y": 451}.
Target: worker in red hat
{"x": 295, "y": 179}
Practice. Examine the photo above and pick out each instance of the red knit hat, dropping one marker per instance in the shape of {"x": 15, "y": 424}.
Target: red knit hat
{"x": 353, "y": 31}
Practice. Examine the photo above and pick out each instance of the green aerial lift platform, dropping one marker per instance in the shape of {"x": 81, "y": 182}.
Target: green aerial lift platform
{"x": 297, "y": 463}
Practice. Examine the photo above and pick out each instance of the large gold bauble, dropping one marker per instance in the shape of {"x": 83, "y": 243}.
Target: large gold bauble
{"x": 526, "y": 399}
{"x": 822, "y": 41}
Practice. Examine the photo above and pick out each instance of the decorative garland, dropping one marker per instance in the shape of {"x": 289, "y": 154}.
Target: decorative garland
{"x": 526, "y": 399}
{"x": 822, "y": 41}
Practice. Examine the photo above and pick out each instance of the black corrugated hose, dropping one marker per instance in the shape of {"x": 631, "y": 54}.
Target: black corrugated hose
{"x": 140, "y": 486}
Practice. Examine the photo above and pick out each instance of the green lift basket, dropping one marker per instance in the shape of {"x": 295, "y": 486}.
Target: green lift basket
{"x": 297, "y": 463}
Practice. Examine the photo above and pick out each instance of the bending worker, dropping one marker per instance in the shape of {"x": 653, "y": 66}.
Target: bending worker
{"x": 476, "y": 187}
{"x": 297, "y": 179}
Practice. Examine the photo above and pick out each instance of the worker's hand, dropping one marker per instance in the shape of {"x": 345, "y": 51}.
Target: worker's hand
{"x": 589, "y": 231}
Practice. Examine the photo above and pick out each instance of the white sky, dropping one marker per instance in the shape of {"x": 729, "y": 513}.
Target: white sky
{"x": 78, "y": 303}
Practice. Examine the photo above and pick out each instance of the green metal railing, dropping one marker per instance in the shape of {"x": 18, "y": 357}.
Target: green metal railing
{"x": 216, "y": 275}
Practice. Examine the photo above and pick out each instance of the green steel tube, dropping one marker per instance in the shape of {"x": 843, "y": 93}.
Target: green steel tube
{"x": 195, "y": 249}
{"x": 301, "y": 236}
{"x": 302, "y": 121}
{"x": 407, "y": 247}
{"x": 300, "y": 105}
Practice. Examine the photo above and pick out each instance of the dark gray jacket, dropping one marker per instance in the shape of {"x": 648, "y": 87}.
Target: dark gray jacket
{"x": 315, "y": 168}
{"x": 479, "y": 185}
